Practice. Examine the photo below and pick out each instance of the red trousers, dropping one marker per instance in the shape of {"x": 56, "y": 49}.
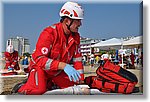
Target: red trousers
{"x": 37, "y": 81}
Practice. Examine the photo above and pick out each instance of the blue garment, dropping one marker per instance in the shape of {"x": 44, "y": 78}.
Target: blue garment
{"x": 25, "y": 61}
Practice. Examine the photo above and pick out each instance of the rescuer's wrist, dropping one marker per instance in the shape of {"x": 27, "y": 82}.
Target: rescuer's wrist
{"x": 61, "y": 65}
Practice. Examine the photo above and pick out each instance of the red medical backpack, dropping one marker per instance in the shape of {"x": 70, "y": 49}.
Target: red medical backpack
{"x": 112, "y": 78}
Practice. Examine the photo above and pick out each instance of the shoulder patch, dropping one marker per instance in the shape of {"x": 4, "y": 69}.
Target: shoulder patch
{"x": 53, "y": 26}
{"x": 44, "y": 50}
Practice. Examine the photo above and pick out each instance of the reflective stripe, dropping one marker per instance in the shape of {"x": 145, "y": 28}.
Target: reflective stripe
{"x": 32, "y": 59}
{"x": 53, "y": 26}
{"x": 48, "y": 63}
{"x": 37, "y": 58}
{"x": 15, "y": 60}
{"x": 36, "y": 78}
{"x": 32, "y": 70}
{"x": 7, "y": 61}
{"x": 77, "y": 59}
{"x": 76, "y": 49}
{"x": 70, "y": 40}
{"x": 12, "y": 65}
{"x": 40, "y": 57}
{"x": 81, "y": 71}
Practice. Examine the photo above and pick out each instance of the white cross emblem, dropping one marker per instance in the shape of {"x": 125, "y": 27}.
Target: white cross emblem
{"x": 44, "y": 50}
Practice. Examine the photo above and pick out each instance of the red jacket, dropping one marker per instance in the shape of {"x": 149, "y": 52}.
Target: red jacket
{"x": 11, "y": 60}
{"x": 53, "y": 47}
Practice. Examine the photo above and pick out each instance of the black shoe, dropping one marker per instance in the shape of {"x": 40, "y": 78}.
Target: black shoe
{"x": 17, "y": 87}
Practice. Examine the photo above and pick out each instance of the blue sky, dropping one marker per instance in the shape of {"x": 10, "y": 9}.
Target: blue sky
{"x": 102, "y": 20}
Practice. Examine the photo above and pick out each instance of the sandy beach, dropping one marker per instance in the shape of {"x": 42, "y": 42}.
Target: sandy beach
{"x": 8, "y": 82}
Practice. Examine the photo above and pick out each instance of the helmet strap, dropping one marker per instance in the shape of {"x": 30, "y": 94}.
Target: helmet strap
{"x": 68, "y": 26}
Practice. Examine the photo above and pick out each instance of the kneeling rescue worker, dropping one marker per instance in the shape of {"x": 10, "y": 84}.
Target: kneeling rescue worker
{"x": 56, "y": 47}
{"x": 11, "y": 58}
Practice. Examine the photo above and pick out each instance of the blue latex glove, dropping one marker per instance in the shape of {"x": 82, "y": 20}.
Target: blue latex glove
{"x": 72, "y": 73}
{"x": 10, "y": 69}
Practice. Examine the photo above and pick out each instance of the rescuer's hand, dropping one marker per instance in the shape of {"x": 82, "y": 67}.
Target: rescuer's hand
{"x": 72, "y": 73}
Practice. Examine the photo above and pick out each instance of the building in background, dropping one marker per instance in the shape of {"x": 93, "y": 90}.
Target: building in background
{"x": 20, "y": 44}
{"x": 85, "y": 45}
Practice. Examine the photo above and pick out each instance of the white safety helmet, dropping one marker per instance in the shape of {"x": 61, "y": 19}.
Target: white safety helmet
{"x": 10, "y": 49}
{"x": 72, "y": 10}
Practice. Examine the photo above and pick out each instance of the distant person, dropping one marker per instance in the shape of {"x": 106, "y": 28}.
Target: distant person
{"x": 97, "y": 58}
{"x": 128, "y": 62}
{"x": 141, "y": 58}
{"x": 25, "y": 61}
{"x": 84, "y": 60}
{"x": 55, "y": 48}
{"x": 11, "y": 58}
{"x": 104, "y": 57}
{"x": 132, "y": 57}
{"x": 92, "y": 60}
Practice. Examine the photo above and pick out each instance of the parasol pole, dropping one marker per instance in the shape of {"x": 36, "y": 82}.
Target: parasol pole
{"x": 122, "y": 56}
